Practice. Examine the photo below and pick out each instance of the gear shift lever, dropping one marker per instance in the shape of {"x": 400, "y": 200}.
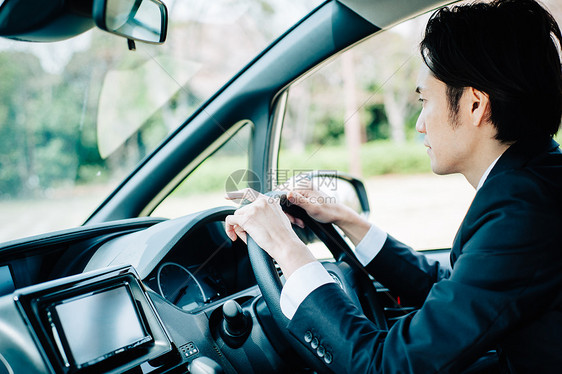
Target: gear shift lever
{"x": 236, "y": 324}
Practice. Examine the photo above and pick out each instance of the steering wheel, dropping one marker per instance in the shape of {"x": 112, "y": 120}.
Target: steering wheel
{"x": 347, "y": 271}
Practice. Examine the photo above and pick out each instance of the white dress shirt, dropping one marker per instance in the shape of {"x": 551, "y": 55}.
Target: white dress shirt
{"x": 309, "y": 277}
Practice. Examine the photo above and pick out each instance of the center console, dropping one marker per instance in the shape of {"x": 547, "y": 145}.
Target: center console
{"x": 103, "y": 322}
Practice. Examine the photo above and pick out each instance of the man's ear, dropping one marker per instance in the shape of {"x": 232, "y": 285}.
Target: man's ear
{"x": 479, "y": 102}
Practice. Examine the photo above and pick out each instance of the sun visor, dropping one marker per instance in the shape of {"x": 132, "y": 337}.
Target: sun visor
{"x": 44, "y": 20}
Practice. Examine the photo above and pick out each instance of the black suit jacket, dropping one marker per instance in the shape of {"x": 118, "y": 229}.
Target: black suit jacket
{"x": 504, "y": 293}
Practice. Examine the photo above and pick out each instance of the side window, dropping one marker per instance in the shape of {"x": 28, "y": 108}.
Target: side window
{"x": 205, "y": 186}
{"x": 357, "y": 114}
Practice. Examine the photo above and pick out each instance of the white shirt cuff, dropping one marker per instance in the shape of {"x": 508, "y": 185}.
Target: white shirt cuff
{"x": 370, "y": 245}
{"x": 300, "y": 284}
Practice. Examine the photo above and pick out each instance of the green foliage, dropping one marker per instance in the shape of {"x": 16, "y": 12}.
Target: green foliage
{"x": 385, "y": 157}
{"x": 377, "y": 126}
{"x": 211, "y": 176}
{"x": 330, "y": 132}
{"x": 377, "y": 157}
{"x": 49, "y": 134}
{"x": 48, "y": 121}
{"x": 17, "y": 131}
{"x": 41, "y": 116}
{"x": 410, "y": 124}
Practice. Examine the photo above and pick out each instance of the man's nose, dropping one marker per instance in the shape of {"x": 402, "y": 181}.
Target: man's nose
{"x": 420, "y": 125}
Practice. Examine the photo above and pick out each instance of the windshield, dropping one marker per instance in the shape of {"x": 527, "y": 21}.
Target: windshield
{"x": 77, "y": 116}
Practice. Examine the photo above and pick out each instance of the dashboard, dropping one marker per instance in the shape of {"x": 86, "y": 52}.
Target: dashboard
{"x": 145, "y": 296}
{"x": 135, "y": 297}
{"x": 203, "y": 268}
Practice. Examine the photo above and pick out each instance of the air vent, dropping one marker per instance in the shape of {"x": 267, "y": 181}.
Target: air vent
{"x": 217, "y": 350}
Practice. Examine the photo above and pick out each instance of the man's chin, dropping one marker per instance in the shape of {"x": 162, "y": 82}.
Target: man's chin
{"x": 438, "y": 169}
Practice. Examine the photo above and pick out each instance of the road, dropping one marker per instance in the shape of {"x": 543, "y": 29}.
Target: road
{"x": 423, "y": 211}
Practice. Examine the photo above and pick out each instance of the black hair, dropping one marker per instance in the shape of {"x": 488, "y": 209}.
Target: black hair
{"x": 507, "y": 49}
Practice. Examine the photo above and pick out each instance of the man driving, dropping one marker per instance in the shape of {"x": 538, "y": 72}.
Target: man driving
{"x": 491, "y": 96}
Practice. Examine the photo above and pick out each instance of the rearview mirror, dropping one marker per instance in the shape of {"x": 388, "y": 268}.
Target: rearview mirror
{"x": 141, "y": 20}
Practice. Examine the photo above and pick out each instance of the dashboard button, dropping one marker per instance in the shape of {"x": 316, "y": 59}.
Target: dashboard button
{"x": 314, "y": 343}
{"x": 328, "y": 358}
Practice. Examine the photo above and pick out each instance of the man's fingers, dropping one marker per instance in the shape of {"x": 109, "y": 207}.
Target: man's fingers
{"x": 295, "y": 221}
{"x": 233, "y": 228}
{"x": 230, "y": 232}
{"x": 241, "y": 233}
{"x": 229, "y": 229}
{"x": 297, "y": 198}
{"x": 230, "y": 224}
{"x": 290, "y": 217}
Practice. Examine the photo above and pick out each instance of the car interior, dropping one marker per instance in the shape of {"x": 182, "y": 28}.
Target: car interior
{"x": 129, "y": 292}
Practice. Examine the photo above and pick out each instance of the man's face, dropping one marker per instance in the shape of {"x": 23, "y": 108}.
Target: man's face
{"x": 447, "y": 141}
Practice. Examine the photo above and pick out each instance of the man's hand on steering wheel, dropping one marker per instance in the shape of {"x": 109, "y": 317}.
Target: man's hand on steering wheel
{"x": 266, "y": 229}
{"x": 264, "y": 220}
{"x": 302, "y": 192}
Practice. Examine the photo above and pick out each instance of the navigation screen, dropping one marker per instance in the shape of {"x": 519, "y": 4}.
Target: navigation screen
{"x": 100, "y": 325}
